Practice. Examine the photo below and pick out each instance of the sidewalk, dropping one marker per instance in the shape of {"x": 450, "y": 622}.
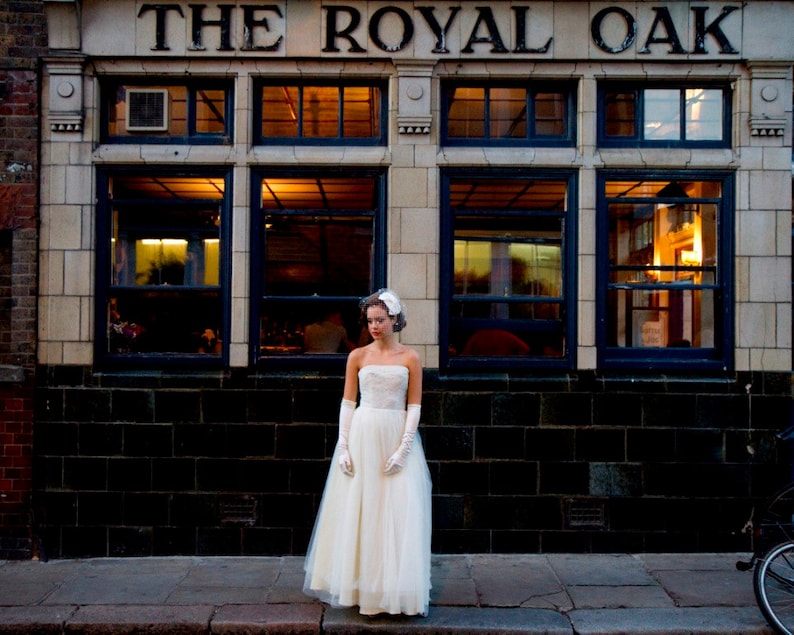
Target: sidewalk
{"x": 556, "y": 594}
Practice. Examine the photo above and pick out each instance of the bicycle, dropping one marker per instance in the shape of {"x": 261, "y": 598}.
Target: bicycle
{"x": 773, "y": 556}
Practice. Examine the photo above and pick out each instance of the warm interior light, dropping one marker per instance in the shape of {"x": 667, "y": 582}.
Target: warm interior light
{"x": 690, "y": 257}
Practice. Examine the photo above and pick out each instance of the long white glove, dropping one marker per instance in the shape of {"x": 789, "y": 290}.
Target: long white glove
{"x": 346, "y": 411}
{"x": 397, "y": 460}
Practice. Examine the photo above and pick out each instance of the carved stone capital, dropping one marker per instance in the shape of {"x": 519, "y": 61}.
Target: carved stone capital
{"x": 65, "y": 93}
{"x": 414, "y": 115}
{"x": 769, "y": 100}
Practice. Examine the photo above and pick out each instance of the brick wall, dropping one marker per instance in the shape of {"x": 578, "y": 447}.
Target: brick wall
{"x": 22, "y": 40}
{"x": 130, "y": 464}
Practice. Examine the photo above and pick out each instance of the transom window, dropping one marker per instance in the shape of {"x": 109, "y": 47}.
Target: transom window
{"x": 318, "y": 248}
{"x": 510, "y": 113}
{"x": 320, "y": 113}
{"x": 664, "y": 269}
{"x": 506, "y": 272}
{"x": 163, "y": 265}
{"x": 664, "y": 115}
{"x": 198, "y": 112}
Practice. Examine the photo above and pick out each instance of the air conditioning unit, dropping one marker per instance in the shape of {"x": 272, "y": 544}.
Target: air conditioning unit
{"x": 147, "y": 109}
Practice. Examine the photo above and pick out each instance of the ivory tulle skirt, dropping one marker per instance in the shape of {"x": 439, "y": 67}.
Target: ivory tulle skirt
{"x": 371, "y": 541}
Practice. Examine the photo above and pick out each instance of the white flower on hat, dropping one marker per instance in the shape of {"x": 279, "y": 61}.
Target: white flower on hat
{"x": 391, "y": 301}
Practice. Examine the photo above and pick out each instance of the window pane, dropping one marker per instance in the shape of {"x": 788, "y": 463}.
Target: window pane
{"x": 675, "y": 318}
{"x": 323, "y": 193}
{"x": 466, "y": 116}
{"x": 165, "y": 322}
{"x": 155, "y": 245}
{"x": 508, "y": 194}
{"x": 318, "y": 255}
{"x": 663, "y": 263}
{"x": 310, "y": 327}
{"x": 320, "y": 111}
{"x": 362, "y": 111}
{"x": 620, "y": 114}
{"x": 518, "y": 263}
{"x": 703, "y": 114}
{"x": 507, "y": 277}
{"x": 280, "y": 111}
{"x": 550, "y": 114}
{"x": 163, "y": 293}
{"x": 662, "y": 114}
{"x": 508, "y": 112}
{"x": 210, "y": 111}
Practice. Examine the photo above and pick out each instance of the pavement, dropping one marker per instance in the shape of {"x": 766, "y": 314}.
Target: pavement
{"x": 554, "y": 594}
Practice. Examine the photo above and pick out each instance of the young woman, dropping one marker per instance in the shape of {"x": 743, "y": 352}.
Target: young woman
{"x": 371, "y": 541}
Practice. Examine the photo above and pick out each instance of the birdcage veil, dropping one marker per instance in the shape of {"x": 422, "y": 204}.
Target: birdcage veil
{"x": 388, "y": 299}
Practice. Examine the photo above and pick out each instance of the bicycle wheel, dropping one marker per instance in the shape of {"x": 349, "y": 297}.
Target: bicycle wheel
{"x": 775, "y": 524}
{"x": 773, "y": 583}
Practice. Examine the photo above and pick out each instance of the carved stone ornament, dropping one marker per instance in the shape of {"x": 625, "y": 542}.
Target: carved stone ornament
{"x": 413, "y": 114}
{"x": 65, "y": 94}
{"x": 768, "y": 106}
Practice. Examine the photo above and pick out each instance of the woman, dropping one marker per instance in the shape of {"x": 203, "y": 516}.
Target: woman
{"x": 371, "y": 542}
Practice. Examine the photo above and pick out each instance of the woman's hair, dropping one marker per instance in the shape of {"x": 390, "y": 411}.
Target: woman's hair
{"x": 390, "y": 302}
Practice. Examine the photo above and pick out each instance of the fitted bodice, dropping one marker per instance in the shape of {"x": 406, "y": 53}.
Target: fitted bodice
{"x": 383, "y": 386}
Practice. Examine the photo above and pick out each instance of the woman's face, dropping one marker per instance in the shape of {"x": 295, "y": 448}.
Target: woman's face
{"x": 379, "y": 322}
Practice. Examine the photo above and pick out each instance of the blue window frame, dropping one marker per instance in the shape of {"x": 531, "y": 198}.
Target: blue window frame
{"x": 665, "y": 269}
{"x": 507, "y": 269}
{"x": 507, "y": 113}
{"x": 664, "y": 115}
{"x": 315, "y": 112}
{"x": 198, "y": 112}
{"x": 162, "y": 262}
{"x": 318, "y": 247}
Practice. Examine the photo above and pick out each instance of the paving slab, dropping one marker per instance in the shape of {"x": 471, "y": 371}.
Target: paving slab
{"x": 589, "y": 569}
{"x": 708, "y": 588}
{"x": 619, "y": 597}
{"x": 518, "y": 581}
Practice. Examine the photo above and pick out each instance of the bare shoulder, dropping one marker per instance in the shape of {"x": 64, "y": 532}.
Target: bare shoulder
{"x": 355, "y": 357}
{"x": 412, "y": 358}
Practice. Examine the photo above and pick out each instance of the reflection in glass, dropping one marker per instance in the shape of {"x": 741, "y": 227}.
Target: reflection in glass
{"x": 662, "y": 114}
{"x": 703, "y": 114}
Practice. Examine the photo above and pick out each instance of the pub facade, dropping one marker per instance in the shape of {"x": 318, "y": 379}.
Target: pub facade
{"x": 586, "y": 206}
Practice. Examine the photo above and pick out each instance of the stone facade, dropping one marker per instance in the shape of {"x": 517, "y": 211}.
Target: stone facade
{"x": 232, "y": 460}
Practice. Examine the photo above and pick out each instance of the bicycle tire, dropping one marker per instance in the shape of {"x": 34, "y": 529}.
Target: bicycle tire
{"x": 773, "y": 584}
{"x": 775, "y": 524}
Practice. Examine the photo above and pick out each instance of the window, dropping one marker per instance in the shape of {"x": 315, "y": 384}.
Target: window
{"x": 318, "y": 249}
{"x": 505, "y": 114}
{"x": 665, "y": 269}
{"x": 162, "y": 262}
{"x": 507, "y": 277}
{"x": 663, "y": 116}
{"x": 198, "y": 112}
{"x": 320, "y": 113}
